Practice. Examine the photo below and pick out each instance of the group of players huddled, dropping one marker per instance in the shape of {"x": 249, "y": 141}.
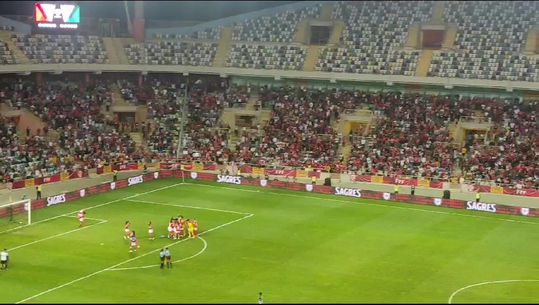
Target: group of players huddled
{"x": 177, "y": 229}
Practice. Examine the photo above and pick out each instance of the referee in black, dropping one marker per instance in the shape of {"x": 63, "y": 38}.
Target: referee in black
{"x": 168, "y": 258}
{"x": 162, "y": 257}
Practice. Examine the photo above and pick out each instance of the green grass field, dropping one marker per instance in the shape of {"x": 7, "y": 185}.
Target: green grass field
{"x": 294, "y": 247}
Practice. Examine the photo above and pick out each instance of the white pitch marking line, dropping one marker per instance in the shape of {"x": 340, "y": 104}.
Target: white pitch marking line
{"x": 93, "y": 207}
{"x": 178, "y": 261}
{"x": 75, "y": 216}
{"x": 485, "y": 283}
{"x": 378, "y": 204}
{"x": 125, "y": 262}
{"x": 188, "y": 206}
{"x": 224, "y": 187}
{"x": 57, "y": 235}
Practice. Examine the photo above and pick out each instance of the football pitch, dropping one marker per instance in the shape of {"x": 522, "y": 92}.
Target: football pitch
{"x": 295, "y": 247}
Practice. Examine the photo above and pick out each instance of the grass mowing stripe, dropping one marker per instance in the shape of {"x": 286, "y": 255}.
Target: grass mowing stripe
{"x": 125, "y": 262}
{"x": 188, "y": 206}
{"x": 372, "y": 204}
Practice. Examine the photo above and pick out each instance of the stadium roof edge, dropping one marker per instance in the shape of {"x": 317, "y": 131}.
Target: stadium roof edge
{"x": 149, "y": 32}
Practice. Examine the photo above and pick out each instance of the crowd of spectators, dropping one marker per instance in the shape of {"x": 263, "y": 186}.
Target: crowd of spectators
{"x": 409, "y": 134}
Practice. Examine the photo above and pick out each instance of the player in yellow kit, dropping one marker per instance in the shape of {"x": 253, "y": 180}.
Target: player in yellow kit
{"x": 190, "y": 228}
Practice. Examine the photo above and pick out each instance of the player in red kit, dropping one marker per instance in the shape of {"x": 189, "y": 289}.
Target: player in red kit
{"x": 179, "y": 230}
{"x": 195, "y": 227}
{"x": 81, "y": 215}
{"x": 127, "y": 230}
{"x": 183, "y": 225}
{"x": 151, "y": 235}
{"x": 171, "y": 229}
{"x": 133, "y": 243}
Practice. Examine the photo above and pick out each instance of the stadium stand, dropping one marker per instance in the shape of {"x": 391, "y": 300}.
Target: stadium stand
{"x": 373, "y": 38}
{"x": 63, "y": 49}
{"x": 490, "y": 37}
{"x": 6, "y": 55}
{"x": 206, "y": 34}
{"x": 410, "y": 134}
{"x": 172, "y": 53}
{"x": 259, "y": 56}
{"x": 278, "y": 28}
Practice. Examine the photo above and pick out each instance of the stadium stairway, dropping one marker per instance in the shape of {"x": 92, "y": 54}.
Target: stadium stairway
{"x": 453, "y": 129}
{"x": 232, "y": 140}
{"x": 346, "y": 151}
{"x": 225, "y": 42}
{"x": 117, "y": 98}
{"x": 438, "y": 13}
{"x": 532, "y": 42}
{"x": 336, "y": 32}
{"x": 412, "y": 39}
{"x": 313, "y": 52}
{"x": 120, "y": 44}
{"x": 137, "y": 137}
{"x": 27, "y": 119}
{"x": 325, "y": 12}
{"x": 21, "y": 58}
{"x": 115, "y": 48}
{"x": 300, "y": 35}
{"x": 450, "y": 36}
{"x": 252, "y": 101}
{"x": 423, "y": 63}
{"x": 111, "y": 51}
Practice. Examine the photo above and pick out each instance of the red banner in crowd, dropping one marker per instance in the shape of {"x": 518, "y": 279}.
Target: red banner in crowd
{"x": 246, "y": 169}
{"x": 210, "y": 167}
{"x": 400, "y": 181}
{"x": 18, "y": 184}
{"x": 521, "y": 192}
{"x": 45, "y": 180}
{"x": 78, "y": 174}
{"x": 125, "y": 167}
{"x": 479, "y": 188}
{"x": 54, "y": 178}
{"x": 436, "y": 184}
{"x": 280, "y": 172}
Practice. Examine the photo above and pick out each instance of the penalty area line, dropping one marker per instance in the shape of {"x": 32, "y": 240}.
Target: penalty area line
{"x": 93, "y": 207}
{"x": 125, "y": 262}
{"x": 58, "y": 235}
